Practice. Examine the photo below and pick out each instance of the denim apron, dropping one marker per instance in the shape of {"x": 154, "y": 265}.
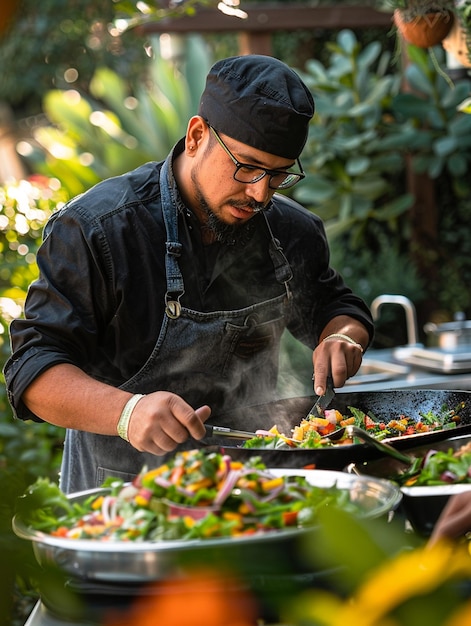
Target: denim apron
{"x": 225, "y": 359}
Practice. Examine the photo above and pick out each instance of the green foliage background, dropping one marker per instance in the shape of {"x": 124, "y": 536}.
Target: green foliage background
{"x": 26, "y": 450}
{"x": 364, "y": 130}
{"x": 127, "y": 136}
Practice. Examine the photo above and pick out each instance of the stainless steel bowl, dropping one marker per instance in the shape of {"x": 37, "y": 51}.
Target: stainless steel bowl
{"x": 116, "y": 562}
{"x": 422, "y": 506}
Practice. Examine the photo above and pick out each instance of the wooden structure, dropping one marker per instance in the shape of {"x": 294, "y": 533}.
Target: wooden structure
{"x": 263, "y": 20}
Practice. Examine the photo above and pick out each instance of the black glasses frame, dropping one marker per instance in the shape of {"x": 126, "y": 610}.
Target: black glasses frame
{"x": 290, "y": 178}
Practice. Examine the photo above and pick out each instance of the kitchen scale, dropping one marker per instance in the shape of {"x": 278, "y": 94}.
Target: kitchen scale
{"x": 453, "y": 361}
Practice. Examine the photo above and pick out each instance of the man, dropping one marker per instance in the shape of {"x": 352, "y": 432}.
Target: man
{"x": 163, "y": 293}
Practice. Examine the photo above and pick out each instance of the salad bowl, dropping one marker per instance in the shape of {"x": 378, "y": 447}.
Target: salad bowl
{"x": 256, "y": 555}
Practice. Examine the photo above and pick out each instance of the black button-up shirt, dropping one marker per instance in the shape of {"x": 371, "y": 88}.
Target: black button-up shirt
{"x": 99, "y": 301}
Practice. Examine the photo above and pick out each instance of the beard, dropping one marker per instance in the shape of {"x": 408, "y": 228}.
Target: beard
{"x": 227, "y": 234}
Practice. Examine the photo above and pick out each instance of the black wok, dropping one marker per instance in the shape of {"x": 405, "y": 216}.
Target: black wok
{"x": 385, "y": 405}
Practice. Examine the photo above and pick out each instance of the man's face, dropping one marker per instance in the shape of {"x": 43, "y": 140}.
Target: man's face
{"x": 222, "y": 203}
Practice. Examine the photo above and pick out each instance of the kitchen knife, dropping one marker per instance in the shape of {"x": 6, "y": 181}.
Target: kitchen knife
{"x": 221, "y": 431}
{"x": 322, "y": 402}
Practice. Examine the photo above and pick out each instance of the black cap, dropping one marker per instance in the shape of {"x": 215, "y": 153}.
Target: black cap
{"x": 259, "y": 101}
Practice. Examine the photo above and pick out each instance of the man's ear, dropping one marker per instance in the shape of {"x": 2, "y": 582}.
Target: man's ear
{"x": 195, "y": 134}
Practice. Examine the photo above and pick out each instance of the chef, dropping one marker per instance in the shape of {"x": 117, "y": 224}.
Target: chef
{"x": 163, "y": 293}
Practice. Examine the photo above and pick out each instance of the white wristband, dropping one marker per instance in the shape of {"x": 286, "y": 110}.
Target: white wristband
{"x": 345, "y": 338}
{"x": 123, "y": 422}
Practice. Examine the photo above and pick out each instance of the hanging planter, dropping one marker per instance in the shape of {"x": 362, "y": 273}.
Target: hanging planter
{"x": 424, "y": 23}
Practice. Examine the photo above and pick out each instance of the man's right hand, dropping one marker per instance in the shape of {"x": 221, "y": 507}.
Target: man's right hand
{"x": 65, "y": 396}
{"x": 162, "y": 420}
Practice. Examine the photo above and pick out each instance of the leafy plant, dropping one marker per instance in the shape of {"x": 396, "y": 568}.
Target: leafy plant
{"x": 352, "y": 161}
{"x": 463, "y": 11}
{"x": 397, "y": 270}
{"x": 383, "y": 577}
{"x": 367, "y": 136}
{"x": 411, "y": 9}
{"x": 26, "y": 450}
{"x": 45, "y": 41}
{"x": 433, "y": 128}
{"x": 116, "y": 128}
{"x": 24, "y": 208}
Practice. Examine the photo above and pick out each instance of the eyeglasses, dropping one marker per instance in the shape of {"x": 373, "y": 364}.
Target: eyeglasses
{"x": 245, "y": 173}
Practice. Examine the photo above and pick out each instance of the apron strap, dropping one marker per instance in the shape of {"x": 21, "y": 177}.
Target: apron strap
{"x": 283, "y": 271}
{"x": 175, "y": 285}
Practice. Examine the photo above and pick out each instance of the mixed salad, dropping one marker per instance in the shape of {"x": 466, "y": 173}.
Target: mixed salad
{"x": 196, "y": 495}
{"x": 312, "y": 430}
{"x": 438, "y": 467}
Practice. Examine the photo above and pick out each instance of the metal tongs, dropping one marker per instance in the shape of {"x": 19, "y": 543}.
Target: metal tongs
{"x": 354, "y": 431}
{"x": 322, "y": 402}
{"x": 222, "y": 431}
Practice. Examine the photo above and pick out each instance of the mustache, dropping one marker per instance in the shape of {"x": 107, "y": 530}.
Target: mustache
{"x": 251, "y": 204}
